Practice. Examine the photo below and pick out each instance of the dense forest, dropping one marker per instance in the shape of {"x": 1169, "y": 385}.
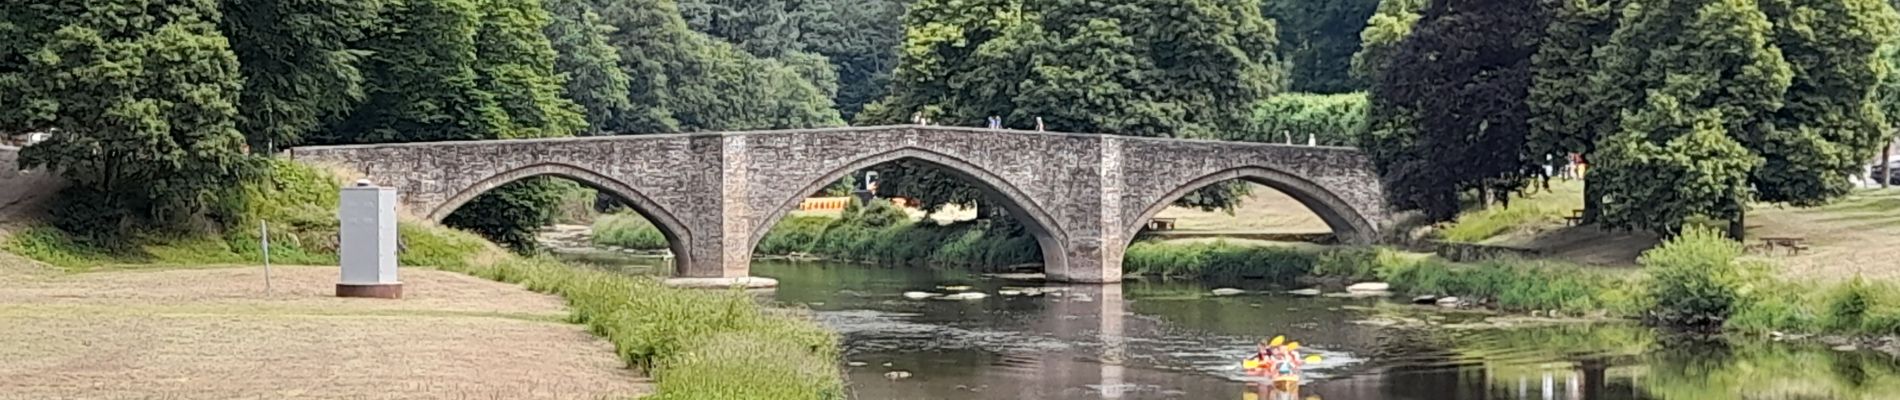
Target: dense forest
{"x": 1688, "y": 108}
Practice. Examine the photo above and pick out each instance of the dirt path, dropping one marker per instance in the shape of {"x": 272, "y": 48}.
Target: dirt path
{"x": 212, "y": 333}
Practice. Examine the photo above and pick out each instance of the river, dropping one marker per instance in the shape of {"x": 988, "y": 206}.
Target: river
{"x": 1174, "y": 340}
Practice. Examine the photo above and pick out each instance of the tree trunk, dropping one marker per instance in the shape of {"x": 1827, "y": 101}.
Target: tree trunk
{"x": 1484, "y": 197}
{"x": 982, "y": 210}
{"x": 1592, "y": 203}
{"x": 1886, "y": 165}
{"x": 1736, "y": 228}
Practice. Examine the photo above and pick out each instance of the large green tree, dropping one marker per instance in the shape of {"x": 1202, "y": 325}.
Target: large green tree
{"x": 859, "y": 37}
{"x": 1166, "y": 68}
{"x": 421, "y": 83}
{"x": 1390, "y": 23}
{"x": 1567, "y": 116}
{"x": 594, "y": 78}
{"x": 142, "y": 97}
{"x": 515, "y": 64}
{"x": 298, "y": 62}
{"x": 1830, "y": 124}
{"x": 686, "y": 81}
{"x": 1318, "y": 39}
{"x": 1463, "y": 76}
{"x": 1693, "y": 79}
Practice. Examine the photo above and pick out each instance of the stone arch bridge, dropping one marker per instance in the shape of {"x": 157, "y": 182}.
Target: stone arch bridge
{"x": 714, "y": 195}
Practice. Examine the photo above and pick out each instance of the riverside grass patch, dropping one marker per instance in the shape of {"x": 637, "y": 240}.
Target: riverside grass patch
{"x": 878, "y": 232}
{"x": 697, "y": 345}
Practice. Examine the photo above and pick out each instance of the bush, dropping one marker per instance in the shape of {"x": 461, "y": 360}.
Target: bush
{"x": 628, "y": 230}
{"x": 795, "y": 234}
{"x": 1217, "y": 261}
{"x": 1698, "y": 280}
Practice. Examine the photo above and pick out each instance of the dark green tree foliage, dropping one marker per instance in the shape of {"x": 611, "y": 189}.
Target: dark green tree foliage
{"x": 1390, "y": 23}
{"x": 1692, "y": 77}
{"x": 686, "y": 81}
{"x": 860, "y": 38}
{"x": 764, "y": 28}
{"x": 1167, "y": 68}
{"x": 1318, "y": 39}
{"x": 298, "y": 62}
{"x": 143, "y": 95}
{"x": 515, "y": 63}
{"x": 1567, "y": 115}
{"x": 1464, "y": 73}
{"x": 1830, "y": 124}
{"x": 594, "y": 78}
{"x": 421, "y": 85}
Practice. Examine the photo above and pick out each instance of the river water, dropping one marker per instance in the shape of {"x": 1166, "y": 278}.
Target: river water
{"x": 1174, "y": 340}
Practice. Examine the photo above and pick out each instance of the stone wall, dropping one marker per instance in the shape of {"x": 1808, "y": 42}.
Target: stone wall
{"x": 716, "y": 194}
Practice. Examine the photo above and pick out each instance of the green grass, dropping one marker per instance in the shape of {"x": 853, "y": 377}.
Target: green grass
{"x": 696, "y": 344}
{"x": 1539, "y": 208}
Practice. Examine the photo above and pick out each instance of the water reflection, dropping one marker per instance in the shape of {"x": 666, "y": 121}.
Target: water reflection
{"x": 1171, "y": 341}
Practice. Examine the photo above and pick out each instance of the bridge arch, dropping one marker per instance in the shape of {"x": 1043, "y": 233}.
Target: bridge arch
{"x": 1050, "y": 235}
{"x": 1347, "y": 223}
{"x": 678, "y": 235}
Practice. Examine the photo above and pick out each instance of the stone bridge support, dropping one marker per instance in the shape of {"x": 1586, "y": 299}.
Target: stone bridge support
{"x": 714, "y": 195}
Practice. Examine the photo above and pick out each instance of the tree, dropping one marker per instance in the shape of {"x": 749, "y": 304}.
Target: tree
{"x": 1318, "y": 39}
{"x": 298, "y": 62}
{"x": 1567, "y": 116}
{"x": 764, "y": 28}
{"x": 143, "y": 95}
{"x": 1464, "y": 74}
{"x": 594, "y": 78}
{"x": 1390, "y": 23}
{"x": 860, "y": 38}
{"x": 515, "y": 63}
{"x": 687, "y": 81}
{"x": 1332, "y": 120}
{"x": 1830, "y": 124}
{"x": 421, "y": 83}
{"x": 1691, "y": 78}
{"x": 1166, "y": 68}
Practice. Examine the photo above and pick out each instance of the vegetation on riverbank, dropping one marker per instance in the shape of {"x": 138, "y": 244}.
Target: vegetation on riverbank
{"x": 880, "y": 233}
{"x": 689, "y": 341}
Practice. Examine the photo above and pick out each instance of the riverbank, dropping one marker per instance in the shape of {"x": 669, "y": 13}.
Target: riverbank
{"x": 694, "y": 344}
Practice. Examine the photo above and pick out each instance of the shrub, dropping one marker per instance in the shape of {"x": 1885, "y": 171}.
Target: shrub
{"x": 1697, "y": 279}
{"x": 1217, "y": 261}
{"x": 795, "y": 234}
{"x": 628, "y": 230}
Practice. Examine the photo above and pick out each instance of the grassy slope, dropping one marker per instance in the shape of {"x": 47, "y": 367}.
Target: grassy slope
{"x": 1856, "y": 235}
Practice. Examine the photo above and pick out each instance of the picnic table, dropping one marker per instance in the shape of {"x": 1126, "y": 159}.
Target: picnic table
{"x": 1794, "y": 245}
{"x": 1575, "y": 218}
{"x": 1161, "y": 224}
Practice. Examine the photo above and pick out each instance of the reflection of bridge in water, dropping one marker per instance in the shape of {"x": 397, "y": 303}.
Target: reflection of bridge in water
{"x": 714, "y": 195}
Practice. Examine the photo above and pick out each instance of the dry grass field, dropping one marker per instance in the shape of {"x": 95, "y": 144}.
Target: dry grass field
{"x": 212, "y": 333}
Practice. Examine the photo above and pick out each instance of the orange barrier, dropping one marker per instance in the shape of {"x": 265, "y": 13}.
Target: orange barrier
{"x": 824, "y": 204}
{"x": 838, "y": 203}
